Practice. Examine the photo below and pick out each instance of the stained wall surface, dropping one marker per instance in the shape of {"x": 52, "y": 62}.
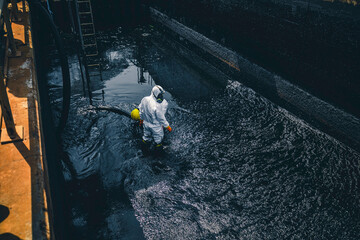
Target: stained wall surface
{"x": 313, "y": 43}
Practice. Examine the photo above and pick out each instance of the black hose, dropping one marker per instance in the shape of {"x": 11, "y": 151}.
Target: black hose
{"x": 64, "y": 67}
{"x": 114, "y": 110}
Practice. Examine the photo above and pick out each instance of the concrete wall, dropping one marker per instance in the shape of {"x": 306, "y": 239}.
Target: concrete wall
{"x": 314, "y": 43}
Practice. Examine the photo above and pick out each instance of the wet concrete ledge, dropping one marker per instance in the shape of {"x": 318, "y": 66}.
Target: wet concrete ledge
{"x": 24, "y": 202}
{"x": 337, "y": 123}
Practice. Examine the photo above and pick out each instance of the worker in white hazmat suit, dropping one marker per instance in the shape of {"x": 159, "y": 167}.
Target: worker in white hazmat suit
{"x": 152, "y": 112}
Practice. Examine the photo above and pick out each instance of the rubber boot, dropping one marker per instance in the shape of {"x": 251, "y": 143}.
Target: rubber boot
{"x": 145, "y": 146}
{"x": 159, "y": 150}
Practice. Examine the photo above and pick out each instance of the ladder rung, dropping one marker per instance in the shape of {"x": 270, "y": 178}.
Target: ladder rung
{"x": 83, "y": 1}
{"x": 88, "y": 34}
{"x": 84, "y": 12}
{"x": 90, "y": 45}
{"x": 93, "y": 75}
{"x": 87, "y": 29}
{"x": 86, "y": 24}
{"x": 92, "y": 55}
{"x": 94, "y": 65}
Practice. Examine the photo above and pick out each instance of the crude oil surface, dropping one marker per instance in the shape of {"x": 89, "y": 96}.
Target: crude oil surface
{"x": 236, "y": 166}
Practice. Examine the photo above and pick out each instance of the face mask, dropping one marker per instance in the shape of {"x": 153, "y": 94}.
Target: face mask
{"x": 160, "y": 98}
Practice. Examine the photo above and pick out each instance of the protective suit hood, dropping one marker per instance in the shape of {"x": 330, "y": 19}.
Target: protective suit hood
{"x": 158, "y": 93}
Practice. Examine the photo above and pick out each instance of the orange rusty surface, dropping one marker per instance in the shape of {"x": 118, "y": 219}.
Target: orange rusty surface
{"x": 23, "y": 208}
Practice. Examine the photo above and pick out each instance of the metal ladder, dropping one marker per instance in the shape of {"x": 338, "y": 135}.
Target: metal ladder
{"x": 87, "y": 35}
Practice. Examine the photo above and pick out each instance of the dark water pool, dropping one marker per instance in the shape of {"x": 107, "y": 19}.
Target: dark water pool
{"x": 236, "y": 166}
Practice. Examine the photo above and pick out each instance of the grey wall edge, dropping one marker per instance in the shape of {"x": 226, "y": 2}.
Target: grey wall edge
{"x": 334, "y": 121}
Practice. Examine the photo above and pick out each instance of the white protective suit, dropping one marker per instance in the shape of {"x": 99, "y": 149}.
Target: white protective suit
{"x": 153, "y": 114}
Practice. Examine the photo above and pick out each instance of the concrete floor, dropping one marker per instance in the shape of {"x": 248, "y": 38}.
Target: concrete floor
{"x": 23, "y": 204}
